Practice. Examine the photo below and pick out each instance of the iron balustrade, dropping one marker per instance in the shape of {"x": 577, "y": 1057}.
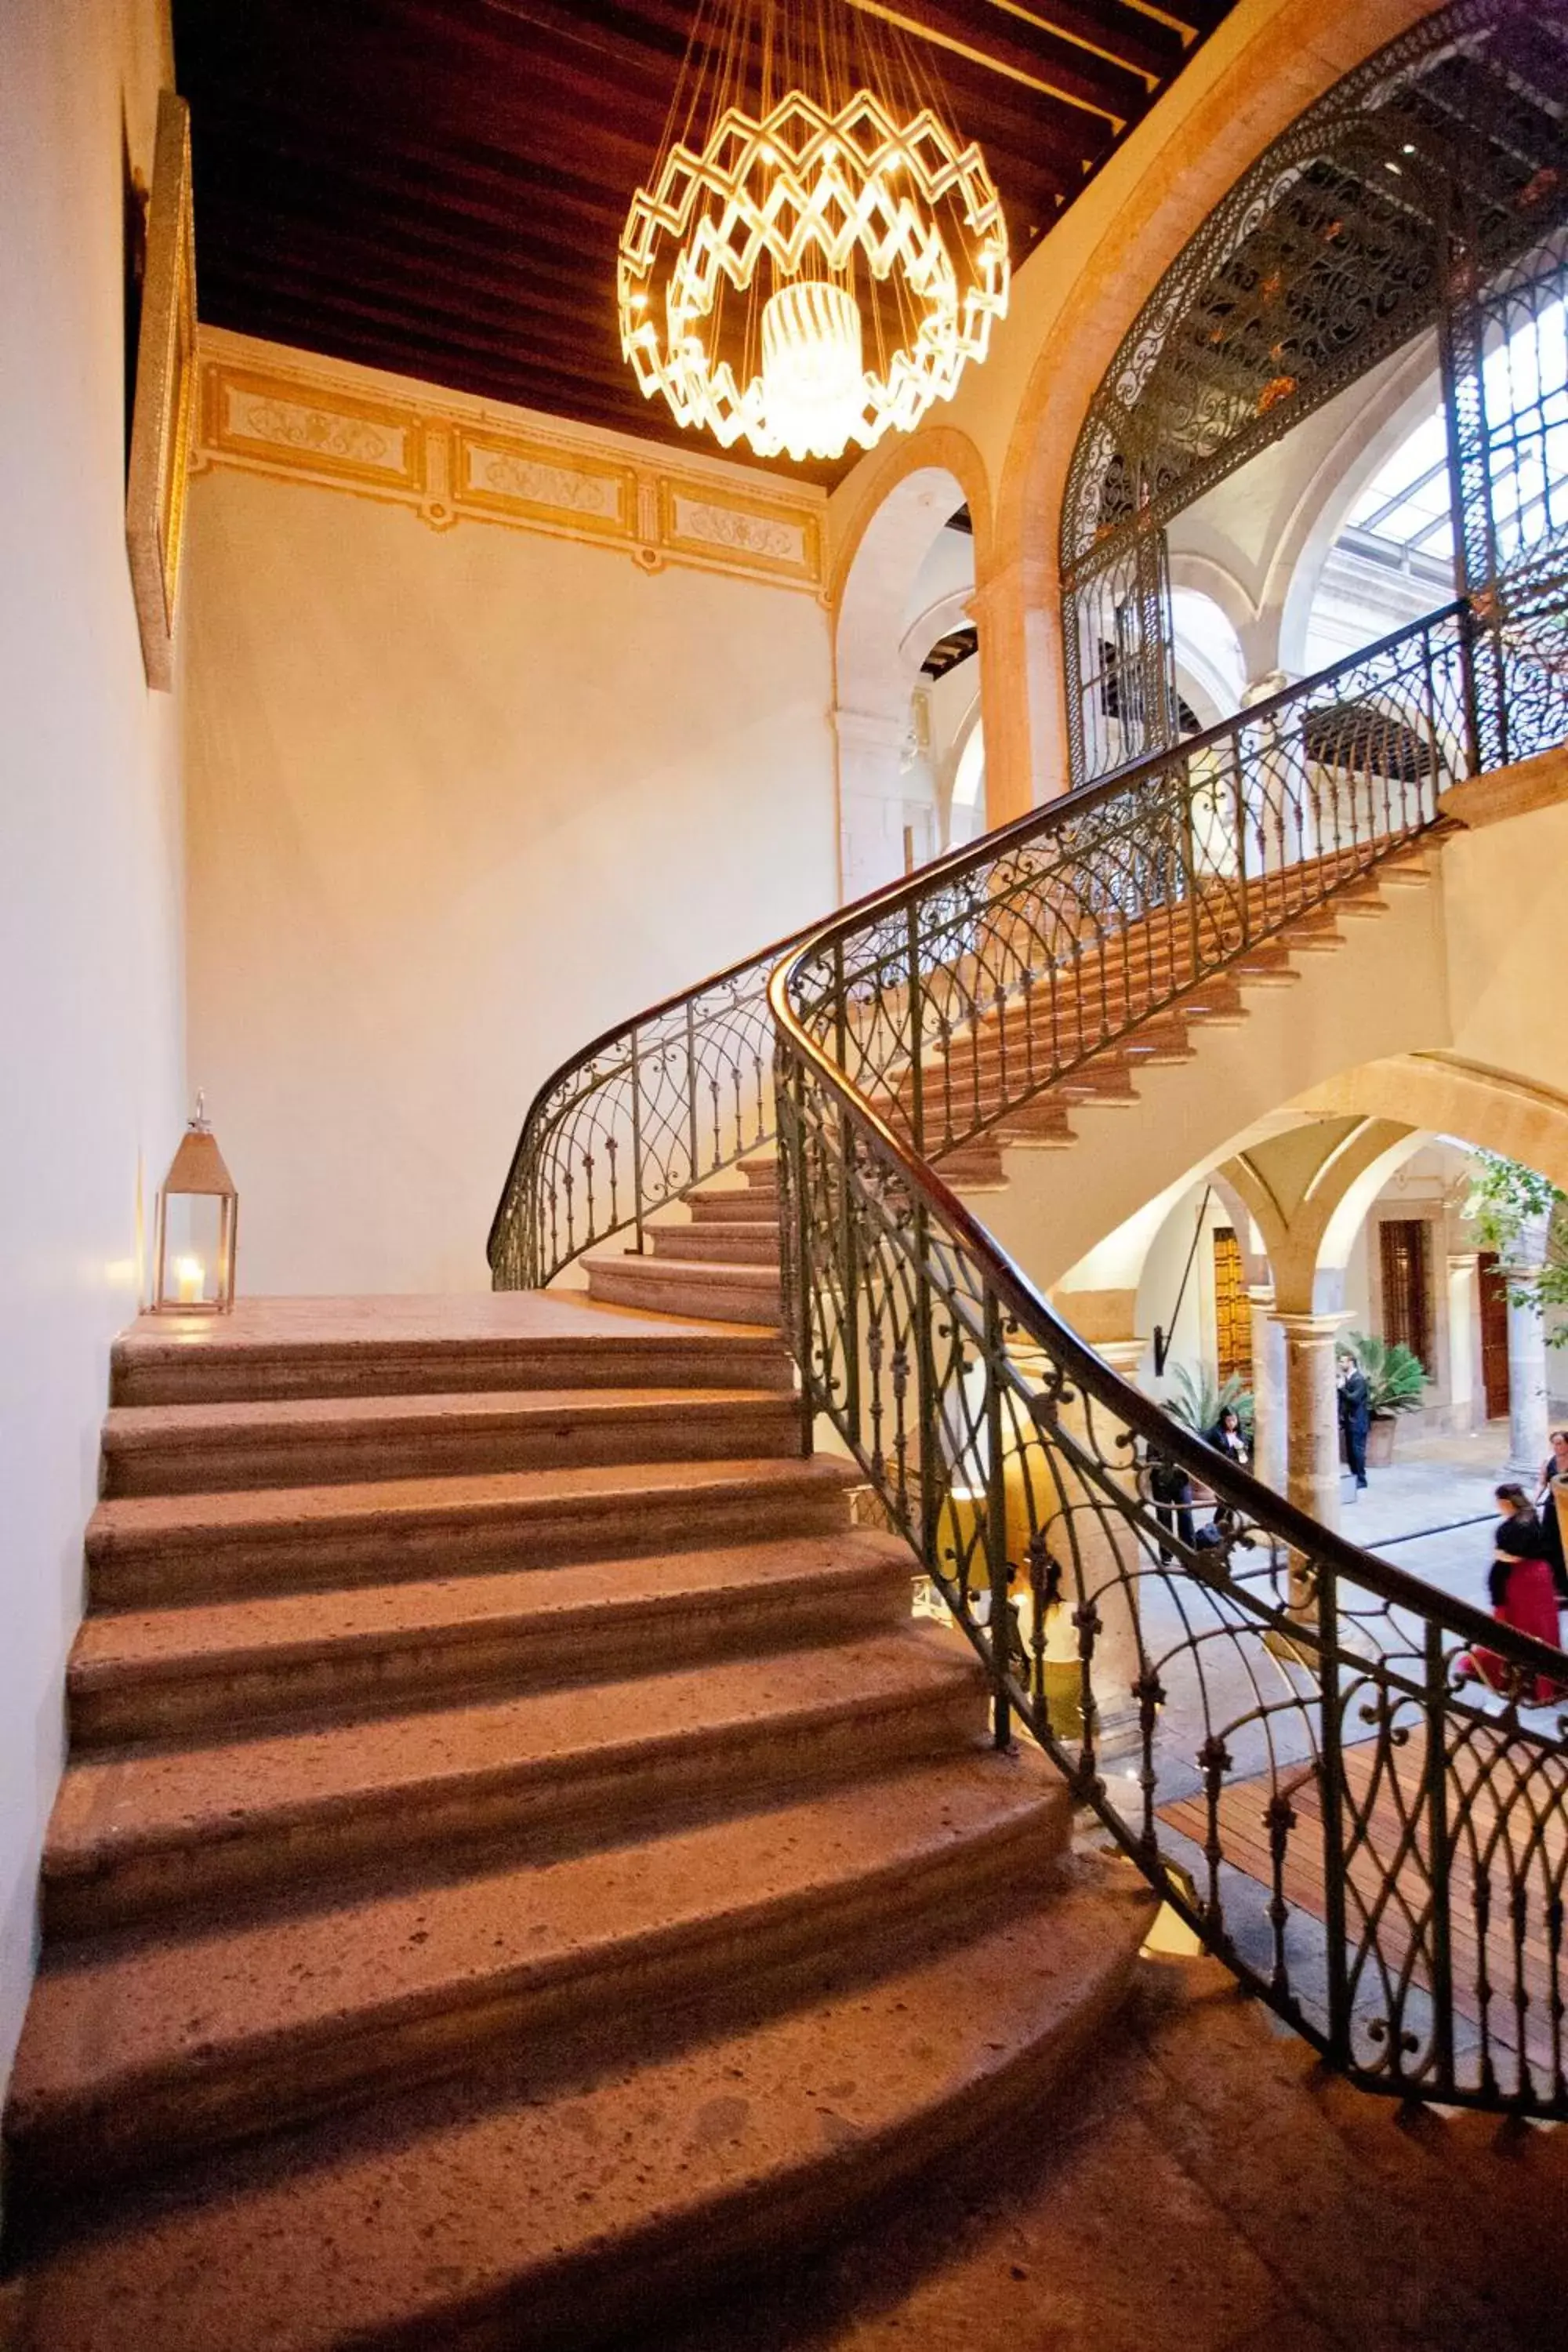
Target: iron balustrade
{"x": 1273, "y": 1724}
{"x": 650, "y": 1109}
{"x": 1302, "y": 1747}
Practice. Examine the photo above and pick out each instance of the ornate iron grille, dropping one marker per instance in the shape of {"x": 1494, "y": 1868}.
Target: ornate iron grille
{"x": 1437, "y": 165}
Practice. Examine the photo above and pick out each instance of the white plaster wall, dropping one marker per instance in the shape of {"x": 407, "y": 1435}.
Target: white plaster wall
{"x": 89, "y": 864}
{"x": 458, "y": 802}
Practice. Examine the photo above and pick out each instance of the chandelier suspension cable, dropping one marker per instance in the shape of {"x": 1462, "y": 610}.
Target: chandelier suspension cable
{"x": 816, "y": 255}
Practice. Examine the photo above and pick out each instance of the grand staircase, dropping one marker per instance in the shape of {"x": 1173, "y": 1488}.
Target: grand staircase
{"x": 519, "y": 1858}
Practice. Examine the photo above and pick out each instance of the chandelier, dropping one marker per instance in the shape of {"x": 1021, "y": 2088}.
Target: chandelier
{"x": 816, "y": 257}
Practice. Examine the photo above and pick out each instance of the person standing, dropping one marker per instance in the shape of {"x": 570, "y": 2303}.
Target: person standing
{"x": 1170, "y": 1492}
{"x": 1520, "y": 1587}
{"x": 1356, "y": 1414}
{"x": 1546, "y": 1502}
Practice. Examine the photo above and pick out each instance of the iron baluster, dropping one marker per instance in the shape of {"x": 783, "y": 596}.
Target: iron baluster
{"x": 638, "y": 1188}
{"x": 994, "y": 1358}
{"x": 1435, "y": 1762}
{"x": 1332, "y": 1788}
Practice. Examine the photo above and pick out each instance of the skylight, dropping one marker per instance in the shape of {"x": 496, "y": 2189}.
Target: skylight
{"x": 1404, "y": 511}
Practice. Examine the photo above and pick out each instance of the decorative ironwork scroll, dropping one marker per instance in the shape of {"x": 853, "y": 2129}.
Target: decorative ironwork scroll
{"x": 1432, "y": 167}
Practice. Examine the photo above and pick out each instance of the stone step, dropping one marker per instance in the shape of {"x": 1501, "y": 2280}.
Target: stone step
{"x": 973, "y": 1167}
{"x": 164, "y": 1833}
{"x": 720, "y": 1290}
{"x": 734, "y": 1205}
{"x": 198, "y": 1670}
{"x": 541, "y": 2215}
{"x": 323, "y": 1441}
{"x": 150, "y": 1551}
{"x": 726, "y": 1245}
{"x": 484, "y": 1342}
{"x": 143, "y": 2048}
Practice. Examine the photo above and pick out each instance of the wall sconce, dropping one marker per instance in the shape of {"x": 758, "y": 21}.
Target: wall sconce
{"x": 198, "y": 1214}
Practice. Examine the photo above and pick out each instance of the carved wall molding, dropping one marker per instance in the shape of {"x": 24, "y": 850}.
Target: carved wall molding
{"x": 448, "y": 459}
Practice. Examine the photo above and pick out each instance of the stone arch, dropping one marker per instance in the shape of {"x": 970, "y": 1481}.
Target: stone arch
{"x": 1492, "y": 1108}
{"x": 888, "y": 792}
{"x": 1276, "y": 87}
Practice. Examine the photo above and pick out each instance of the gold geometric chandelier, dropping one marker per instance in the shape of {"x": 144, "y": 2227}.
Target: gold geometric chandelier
{"x": 817, "y": 257}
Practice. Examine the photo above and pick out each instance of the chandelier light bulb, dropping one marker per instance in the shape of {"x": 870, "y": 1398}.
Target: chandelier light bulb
{"x": 813, "y": 378}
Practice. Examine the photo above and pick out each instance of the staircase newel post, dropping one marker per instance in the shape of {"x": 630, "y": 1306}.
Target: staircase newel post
{"x": 636, "y": 1141}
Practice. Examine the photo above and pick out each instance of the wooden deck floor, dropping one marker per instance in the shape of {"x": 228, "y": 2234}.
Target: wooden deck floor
{"x": 1506, "y": 1855}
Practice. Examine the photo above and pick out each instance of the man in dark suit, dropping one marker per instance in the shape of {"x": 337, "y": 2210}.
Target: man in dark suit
{"x": 1356, "y": 1414}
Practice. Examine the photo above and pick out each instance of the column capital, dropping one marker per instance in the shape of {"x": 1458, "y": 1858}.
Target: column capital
{"x": 1463, "y": 1261}
{"x": 1123, "y": 1356}
{"x": 1309, "y": 1329}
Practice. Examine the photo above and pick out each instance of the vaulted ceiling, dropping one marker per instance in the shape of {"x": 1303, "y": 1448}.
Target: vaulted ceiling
{"x": 436, "y": 186}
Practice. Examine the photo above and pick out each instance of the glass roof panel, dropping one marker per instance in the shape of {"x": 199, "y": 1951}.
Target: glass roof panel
{"x": 1404, "y": 508}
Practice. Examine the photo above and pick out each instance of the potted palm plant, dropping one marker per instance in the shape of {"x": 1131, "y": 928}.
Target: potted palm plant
{"x": 1396, "y": 1383}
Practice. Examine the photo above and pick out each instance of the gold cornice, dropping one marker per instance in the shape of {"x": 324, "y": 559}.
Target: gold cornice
{"x": 295, "y": 416}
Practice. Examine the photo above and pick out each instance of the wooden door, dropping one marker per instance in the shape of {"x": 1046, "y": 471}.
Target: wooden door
{"x": 1494, "y": 1335}
{"x": 1233, "y": 1308}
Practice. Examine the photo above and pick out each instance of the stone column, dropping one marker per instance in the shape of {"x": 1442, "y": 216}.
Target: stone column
{"x": 1268, "y": 1414}
{"x": 1463, "y": 1325}
{"x": 1311, "y": 1415}
{"x": 1015, "y": 610}
{"x": 880, "y": 792}
{"x": 1529, "y": 1403}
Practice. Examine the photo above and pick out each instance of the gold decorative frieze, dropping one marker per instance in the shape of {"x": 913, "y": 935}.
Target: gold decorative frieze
{"x": 269, "y": 410}
{"x": 507, "y": 475}
{"x": 253, "y": 416}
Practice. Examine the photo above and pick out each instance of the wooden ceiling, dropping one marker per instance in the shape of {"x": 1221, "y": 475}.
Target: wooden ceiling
{"x": 436, "y": 186}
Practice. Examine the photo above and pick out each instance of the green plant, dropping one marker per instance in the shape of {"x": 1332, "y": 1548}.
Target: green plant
{"x": 1198, "y": 1398}
{"x": 1506, "y": 1197}
{"x": 1394, "y": 1380}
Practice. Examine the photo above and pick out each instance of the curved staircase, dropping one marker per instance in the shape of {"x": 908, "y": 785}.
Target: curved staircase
{"x": 519, "y": 1858}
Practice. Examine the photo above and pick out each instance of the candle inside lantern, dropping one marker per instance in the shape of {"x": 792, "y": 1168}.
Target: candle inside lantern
{"x": 190, "y": 1277}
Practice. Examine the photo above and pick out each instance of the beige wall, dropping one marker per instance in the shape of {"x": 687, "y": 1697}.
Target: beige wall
{"x": 89, "y": 859}
{"x": 459, "y": 800}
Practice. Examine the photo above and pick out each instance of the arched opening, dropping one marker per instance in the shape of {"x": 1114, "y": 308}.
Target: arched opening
{"x": 907, "y": 678}
{"x": 1427, "y": 190}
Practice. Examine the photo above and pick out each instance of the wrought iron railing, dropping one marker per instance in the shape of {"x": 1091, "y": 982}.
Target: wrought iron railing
{"x": 1341, "y": 1777}
{"x": 648, "y": 1111}
{"x": 1275, "y": 1726}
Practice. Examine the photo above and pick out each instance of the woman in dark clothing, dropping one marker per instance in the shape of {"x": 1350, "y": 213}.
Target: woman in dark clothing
{"x": 1226, "y": 1437}
{"x": 1551, "y": 1516}
{"x": 1355, "y": 1415}
{"x": 1520, "y": 1587}
{"x": 1170, "y": 1492}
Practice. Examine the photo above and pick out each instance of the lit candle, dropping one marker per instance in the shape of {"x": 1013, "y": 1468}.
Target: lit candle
{"x": 190, "y": 1276}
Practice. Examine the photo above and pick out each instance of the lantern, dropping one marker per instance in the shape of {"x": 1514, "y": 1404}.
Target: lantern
{"x": 198, "y": 1212}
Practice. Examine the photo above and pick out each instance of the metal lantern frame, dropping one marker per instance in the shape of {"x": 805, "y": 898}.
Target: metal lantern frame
{"x": 197, "y": 1172}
